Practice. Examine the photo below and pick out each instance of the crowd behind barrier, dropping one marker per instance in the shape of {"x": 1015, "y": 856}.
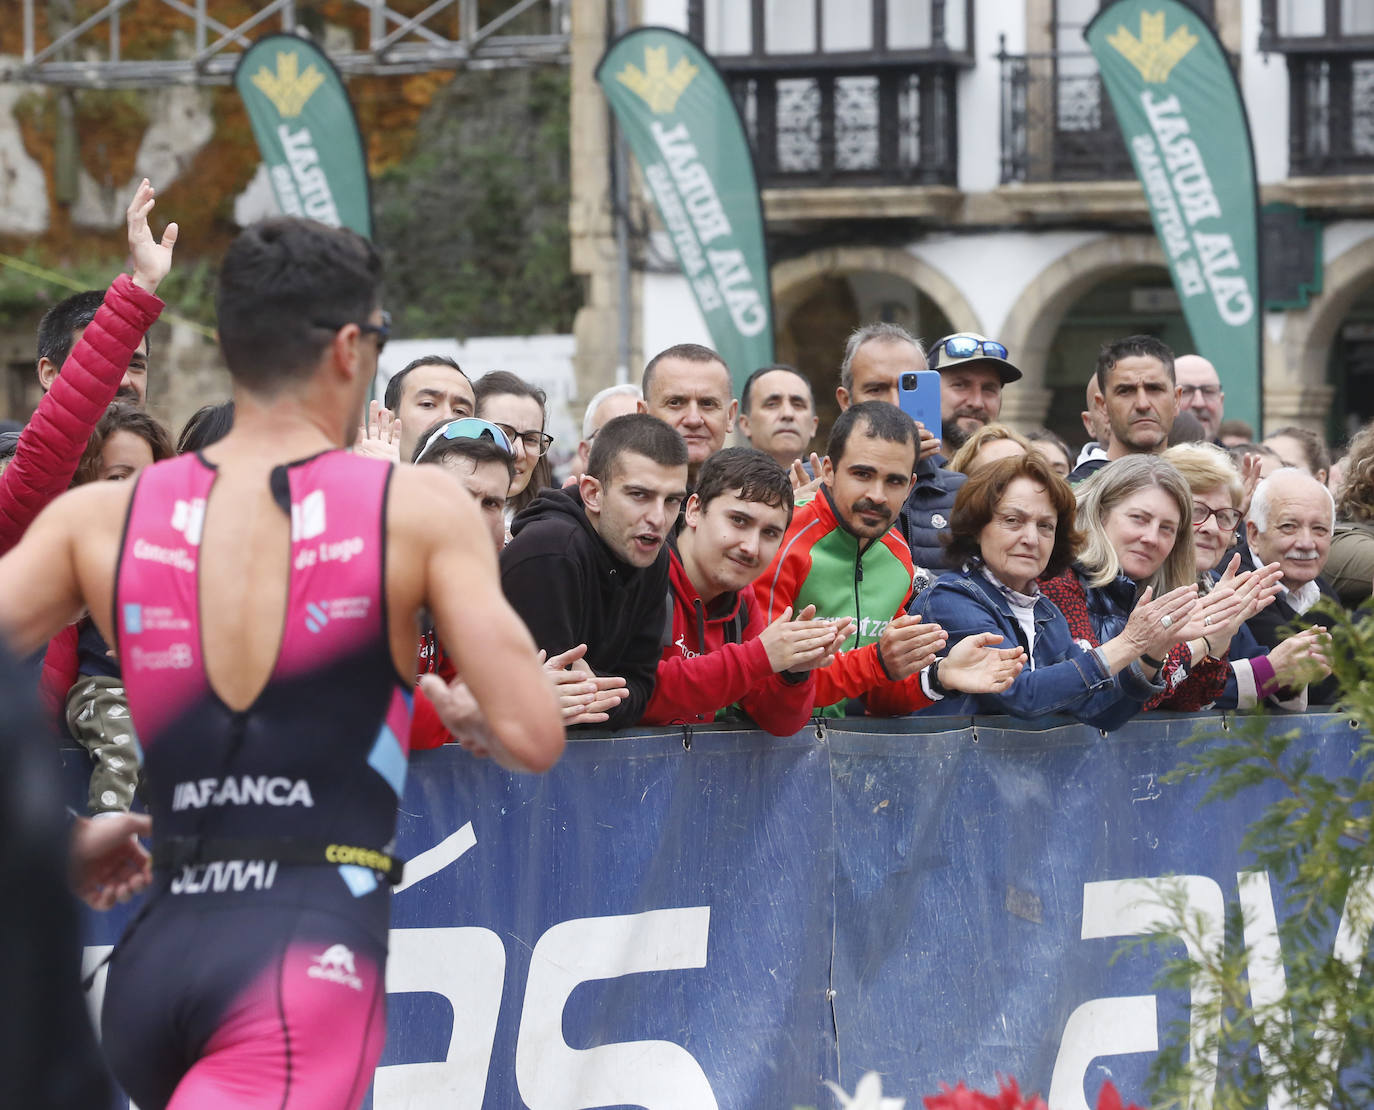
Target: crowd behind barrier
{"x": 674, "y": 919}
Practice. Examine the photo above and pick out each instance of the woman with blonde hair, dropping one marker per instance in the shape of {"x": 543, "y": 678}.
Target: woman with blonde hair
{"x": 988, "y": 444}
{"x": 1136, "y": 517}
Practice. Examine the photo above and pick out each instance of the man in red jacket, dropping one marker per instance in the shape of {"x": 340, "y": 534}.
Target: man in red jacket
{"x": 722, "y": 649}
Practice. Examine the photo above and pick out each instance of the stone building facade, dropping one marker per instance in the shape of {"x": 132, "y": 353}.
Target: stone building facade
{"x": 953, "y": 165}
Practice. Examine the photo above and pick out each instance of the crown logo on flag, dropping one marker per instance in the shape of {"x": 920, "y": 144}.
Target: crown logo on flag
{"x": 657, "y": 85}
{"x": 1153, "y": 54}
{"x": 288, "y": 89}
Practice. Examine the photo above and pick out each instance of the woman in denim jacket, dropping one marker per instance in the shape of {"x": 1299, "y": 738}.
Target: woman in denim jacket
{"x": 1013, "y": 522}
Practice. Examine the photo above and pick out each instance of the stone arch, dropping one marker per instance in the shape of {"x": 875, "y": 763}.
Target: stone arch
{"x": 1296, "y": 389}
{"x": 795, "y": 279}
{"x": 1040, "y": 309}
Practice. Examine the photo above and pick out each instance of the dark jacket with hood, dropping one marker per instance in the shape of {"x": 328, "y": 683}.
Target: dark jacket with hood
{"x": 925, "y": 515}
{"x": 570, "y": 589}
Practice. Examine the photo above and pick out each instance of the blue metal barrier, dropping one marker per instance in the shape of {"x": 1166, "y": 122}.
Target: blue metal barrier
{"x": 732, "y": 923}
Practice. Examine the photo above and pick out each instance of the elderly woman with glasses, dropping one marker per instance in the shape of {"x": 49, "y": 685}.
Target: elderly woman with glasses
{"x": 1218, "y": 491}
{"x": 1013, "y": 521}
{"x": 1137, "y": 515}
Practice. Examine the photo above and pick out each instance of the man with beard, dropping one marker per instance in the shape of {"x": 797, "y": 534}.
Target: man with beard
{"x": 587, "y": 565}
{"x": 722, "y": 651}
{"x": 1138, "y": 399}
{"x": 973, "y": 370}
{"x": 875, "y": 358}
{"x": 842, "y": 555}
{"x": 88, "y": 339}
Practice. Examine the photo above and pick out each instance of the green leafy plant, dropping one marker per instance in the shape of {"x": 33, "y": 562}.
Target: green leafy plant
{"x": 1281, "y": 1011}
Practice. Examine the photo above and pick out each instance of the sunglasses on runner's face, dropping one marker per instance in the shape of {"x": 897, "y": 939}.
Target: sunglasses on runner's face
{"x": 965, "y": 346}
{"x": 382, "y": 331}
{"x": 469, "y": 427}
{"x": 1227, "y": 519}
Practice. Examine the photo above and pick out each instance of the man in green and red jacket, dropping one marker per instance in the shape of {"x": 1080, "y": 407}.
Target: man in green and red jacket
{"x": 844, "y": 555}
{"x": 721, "y": 650}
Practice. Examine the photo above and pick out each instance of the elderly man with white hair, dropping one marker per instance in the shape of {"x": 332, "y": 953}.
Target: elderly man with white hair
{"x": 613, "y": 401}
{"x": 1291, "y": 520}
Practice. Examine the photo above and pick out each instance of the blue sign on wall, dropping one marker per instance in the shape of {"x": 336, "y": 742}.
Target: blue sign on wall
{"x": 731, "y": 925}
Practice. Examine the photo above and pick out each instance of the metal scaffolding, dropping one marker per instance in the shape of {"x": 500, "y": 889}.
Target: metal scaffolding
{"x": 446, "y": 34}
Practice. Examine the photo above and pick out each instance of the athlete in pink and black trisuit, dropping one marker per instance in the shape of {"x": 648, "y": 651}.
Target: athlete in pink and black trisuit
{"x": 262, "y": 598}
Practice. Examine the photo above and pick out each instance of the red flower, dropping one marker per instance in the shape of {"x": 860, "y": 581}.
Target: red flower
{"x": 1009, "y": 1097}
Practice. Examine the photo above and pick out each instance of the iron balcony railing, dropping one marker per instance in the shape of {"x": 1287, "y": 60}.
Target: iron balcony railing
{"x": 1331, "y": 114}
{"x": 880, "y": 123}
{"x": 1057, "y": 120}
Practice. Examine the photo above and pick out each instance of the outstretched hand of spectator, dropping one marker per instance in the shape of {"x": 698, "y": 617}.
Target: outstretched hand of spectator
{"x": 585, "y": 697}
{"x": 1249, "y": 479}
{"x": 974, "y": 666}
{"x": 801, "y": 483}
{"x": 1301, "y": 659}
{"x": 152, "y": 259}
{"x": 799, "y": 645}
{"x": 380, "y": 437}
{"x": 909, "y": 645}
{"x": 106, "y": 862}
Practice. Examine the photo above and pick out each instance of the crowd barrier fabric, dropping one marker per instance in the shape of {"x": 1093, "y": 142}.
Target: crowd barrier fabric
{"x": 731, "y": 922}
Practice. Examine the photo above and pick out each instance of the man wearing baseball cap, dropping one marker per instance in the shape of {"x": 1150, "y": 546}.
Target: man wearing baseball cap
{"x": 973, "y": 370}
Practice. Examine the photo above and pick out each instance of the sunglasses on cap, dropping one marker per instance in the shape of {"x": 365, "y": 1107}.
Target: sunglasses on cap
{"x": 469, "y": 427}
{"x": 965, "y": 346}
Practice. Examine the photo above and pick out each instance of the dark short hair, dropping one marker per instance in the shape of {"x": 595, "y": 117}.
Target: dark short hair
{"x": 395, "y": 385}
{"x": 59, "y": 323}
{"x": 120, "y": 417}
{"x": 688, "y": 352}
{"x": 1133, "y": 346}
{"x": 1313, "y": 446}
{"x": 755, "y": 475}
{"x": 285, "y": 285}
{"x": 881, "y": 421}
{"x": 636, "y": 432}
{"x": 478, "y": 450}
{"x": 208, "y": 424}
{"x": 978, "y": 498}
{"x": 745, "y": 402}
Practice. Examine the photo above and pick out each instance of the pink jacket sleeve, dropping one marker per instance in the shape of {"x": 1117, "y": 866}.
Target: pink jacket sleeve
{"x": 51, "y": 445}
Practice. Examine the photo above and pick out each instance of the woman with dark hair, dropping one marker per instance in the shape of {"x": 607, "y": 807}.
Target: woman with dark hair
{"x": 1013, "y": 521}
{"x": 519, "y": 410}
{"x": 208, "y": 424}
{"x": 1136, "y": 518}
{"x": 79, "y": 668}
{"x": 124, "y": 441}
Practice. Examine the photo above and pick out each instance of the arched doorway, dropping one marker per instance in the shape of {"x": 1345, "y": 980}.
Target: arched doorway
{"x": 1137, "y": 300}
{"x": 1350, "y": 369}
{"x": 822, "y": 297}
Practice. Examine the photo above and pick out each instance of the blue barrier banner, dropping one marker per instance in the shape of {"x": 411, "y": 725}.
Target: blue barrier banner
{"x": 732, "y": 924}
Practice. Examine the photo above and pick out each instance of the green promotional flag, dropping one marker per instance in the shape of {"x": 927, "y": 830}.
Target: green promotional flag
{"x": 306, "y": 130}
{"x": 682, "y": 125}
{"x": 1184, "y": 123}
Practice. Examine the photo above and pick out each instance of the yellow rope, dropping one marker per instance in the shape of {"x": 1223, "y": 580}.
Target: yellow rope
{"x": 54, "y": 278}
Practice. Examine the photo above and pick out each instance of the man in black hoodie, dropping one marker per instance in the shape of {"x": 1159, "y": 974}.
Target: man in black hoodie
{"x": 587, "y": 565}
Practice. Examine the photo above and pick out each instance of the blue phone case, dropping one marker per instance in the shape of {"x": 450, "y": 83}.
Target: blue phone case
{"x": 923, "y": 402}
